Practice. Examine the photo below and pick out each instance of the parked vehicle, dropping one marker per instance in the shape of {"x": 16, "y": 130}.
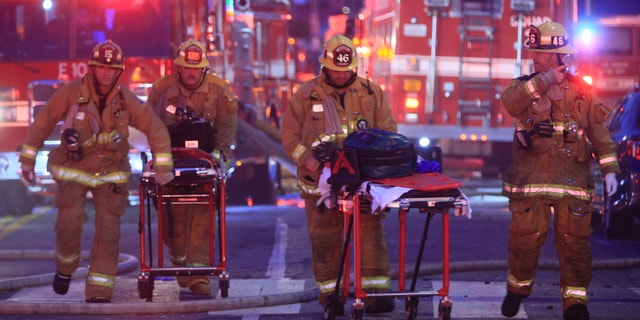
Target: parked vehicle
{"x": 620, "y": 210}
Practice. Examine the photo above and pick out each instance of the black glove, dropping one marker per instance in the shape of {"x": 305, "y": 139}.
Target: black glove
{"x": 544, "y": 128}
{"x": 524, "y": 140}
{"x": 322, "y": 152}
{"x": 73, "y": 149}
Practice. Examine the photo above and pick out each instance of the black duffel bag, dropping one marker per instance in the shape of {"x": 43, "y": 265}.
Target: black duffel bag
{"x": 382, "y": 154}
{"x": 192, "y": 135}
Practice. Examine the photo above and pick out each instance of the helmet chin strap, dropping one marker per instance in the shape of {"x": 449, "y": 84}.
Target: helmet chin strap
{"x": 330, "y": 82}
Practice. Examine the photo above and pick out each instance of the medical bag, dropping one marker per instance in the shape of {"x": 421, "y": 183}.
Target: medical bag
{"x": 345, "y": 171}
{"x": 381, "y": 153}
{"x": 198, "y": 135}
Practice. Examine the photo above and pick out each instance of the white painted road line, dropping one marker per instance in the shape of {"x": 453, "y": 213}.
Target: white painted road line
{"x": 277, "y": 261}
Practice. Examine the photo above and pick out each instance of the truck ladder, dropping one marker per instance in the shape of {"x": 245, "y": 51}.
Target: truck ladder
{"x": 476, "y": 92}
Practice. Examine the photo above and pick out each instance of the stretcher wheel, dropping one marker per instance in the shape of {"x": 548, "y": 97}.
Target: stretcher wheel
{"x": 332, "y": 308}
{"x": 145, "y": 286}
{"x": 444, "y": 310}
{"x": 357, "y": 310}
{"x": 224, "y": 284}
{"x": 330, "y": 312}
{"x": 411, "y": 307}
{"x": 357, "y": 314}
{"x": 224, "y": 288}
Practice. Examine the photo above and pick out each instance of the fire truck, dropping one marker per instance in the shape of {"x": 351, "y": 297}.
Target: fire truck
{"x": 444, "y": 64}
{"x": 45, "y": 43}
{"x": 608, "y": 54}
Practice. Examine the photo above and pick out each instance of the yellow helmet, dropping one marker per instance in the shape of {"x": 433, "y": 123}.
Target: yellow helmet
{"x": 339, "y": 54}
{"x": 107, "y": 54}
{"x": 191, "y": 54}
{"x": 550, "y": 37}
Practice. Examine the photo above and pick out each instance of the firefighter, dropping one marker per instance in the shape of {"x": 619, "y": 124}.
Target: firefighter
{"x": 326, "y": 108}
{"x": 560, "y": 120}
{"x": 193, "y": 94}
{"x": 93, "y": 156}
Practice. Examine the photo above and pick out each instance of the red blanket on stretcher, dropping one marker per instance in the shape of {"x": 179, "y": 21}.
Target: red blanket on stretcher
{"x": 431, "y": 181}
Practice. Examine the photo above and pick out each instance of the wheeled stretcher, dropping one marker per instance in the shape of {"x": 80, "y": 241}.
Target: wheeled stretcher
{"x": 196, "y": 172}
{"x": 430, "y": 193}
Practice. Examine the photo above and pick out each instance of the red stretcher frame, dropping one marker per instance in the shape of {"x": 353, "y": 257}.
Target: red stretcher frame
{"x": 430, "y": 200}
{"x": 203, "y": 172}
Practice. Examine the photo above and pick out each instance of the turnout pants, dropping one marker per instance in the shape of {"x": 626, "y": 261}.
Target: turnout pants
{"x": 110, "y": 204}
{"x": 530, "y": 221}
{"x": 326, "y": 228}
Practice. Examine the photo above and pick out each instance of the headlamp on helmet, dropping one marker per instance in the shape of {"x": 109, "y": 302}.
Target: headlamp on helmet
{"x": 107, "y": 54}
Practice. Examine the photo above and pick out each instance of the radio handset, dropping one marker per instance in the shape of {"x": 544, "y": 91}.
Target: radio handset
{"x": 561, "y": 62}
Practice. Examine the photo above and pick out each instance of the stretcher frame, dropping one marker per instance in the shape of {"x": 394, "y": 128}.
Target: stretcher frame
{"x": 200, "y": 170}
{"x": 436, "y": 199}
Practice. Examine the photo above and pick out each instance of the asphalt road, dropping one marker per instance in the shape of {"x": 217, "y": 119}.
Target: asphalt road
{"x": 270, "y": 269}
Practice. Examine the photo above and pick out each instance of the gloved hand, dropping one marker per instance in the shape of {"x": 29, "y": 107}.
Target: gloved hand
{"x": 73, "y": 149}
{"x": 524, "y": 139}
{"x": 555, "y": 75}
{"x": 610, "y": 183}
{"x": 322, "y": 152}
{"x": 27, "y": 172}
{"x": 310, "y": 163}
{"x": 544, "y": 128}
{"x": 223, "y": 161}
{"x": 225, "y": 165}
{"x": 163, "y": 178}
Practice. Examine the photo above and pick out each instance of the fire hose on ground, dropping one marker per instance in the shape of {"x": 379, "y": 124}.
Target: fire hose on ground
{"x": 128, "y": 263}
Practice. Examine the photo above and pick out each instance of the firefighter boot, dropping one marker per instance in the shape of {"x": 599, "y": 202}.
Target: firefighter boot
{"x": 379, "y": 305}
{"x": 98, "y": 300}
{"x": 336, "y": 303}
{"x": 61, "y": 283}
{"x": 577, "y": 311}
{"x": 200, "y": 287}
{"x": 511, "y": 304}
{"x": 183, "y": 281}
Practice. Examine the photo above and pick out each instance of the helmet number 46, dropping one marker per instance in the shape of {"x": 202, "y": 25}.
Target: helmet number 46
{"x": 344, "y": 58}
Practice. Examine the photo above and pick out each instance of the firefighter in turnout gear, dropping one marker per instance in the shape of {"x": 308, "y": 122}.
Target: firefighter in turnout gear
{"x": 191, "y": 96}
{"x": 93, "y": 156}
{"x": 324, "y": 109}
{"x": 560, "y": 121}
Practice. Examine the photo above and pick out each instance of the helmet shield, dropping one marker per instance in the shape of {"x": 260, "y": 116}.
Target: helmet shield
{"x": 342, "y": 56}
{"x": 549, "y": 37}
{"x": 191, "y": 54}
